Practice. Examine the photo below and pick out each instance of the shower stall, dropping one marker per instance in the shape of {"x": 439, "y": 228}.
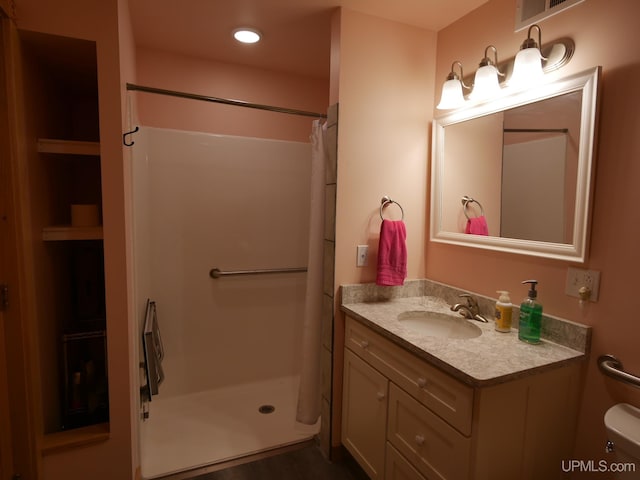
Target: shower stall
{"x": 231, "y": 343}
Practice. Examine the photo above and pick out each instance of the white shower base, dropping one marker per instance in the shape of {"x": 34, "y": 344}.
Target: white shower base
{"x": 204, "y": 428}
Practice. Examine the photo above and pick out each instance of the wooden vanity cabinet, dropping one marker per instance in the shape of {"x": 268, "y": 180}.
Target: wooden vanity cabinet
{"x": 437, "y": 427}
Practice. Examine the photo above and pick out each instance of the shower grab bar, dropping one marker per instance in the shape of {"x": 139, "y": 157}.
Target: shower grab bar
{"x": 217, "y": 273}
{"x": 612, "y": 367}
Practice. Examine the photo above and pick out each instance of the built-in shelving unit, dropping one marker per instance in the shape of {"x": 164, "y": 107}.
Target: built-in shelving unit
{"x": 64, "y": 177}
{"x": 73, "y": 177}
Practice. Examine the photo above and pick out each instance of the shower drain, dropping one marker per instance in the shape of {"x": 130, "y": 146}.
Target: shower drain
{"x": 266, "y": 409}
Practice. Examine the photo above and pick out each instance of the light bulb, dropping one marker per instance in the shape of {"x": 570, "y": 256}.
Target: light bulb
{"x": 246, "y": 35}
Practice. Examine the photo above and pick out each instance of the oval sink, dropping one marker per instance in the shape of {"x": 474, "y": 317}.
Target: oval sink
{"x": 439, "y": 325}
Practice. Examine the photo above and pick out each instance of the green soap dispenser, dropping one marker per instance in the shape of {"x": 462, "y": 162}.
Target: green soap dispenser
{"x": 530, "y": 316}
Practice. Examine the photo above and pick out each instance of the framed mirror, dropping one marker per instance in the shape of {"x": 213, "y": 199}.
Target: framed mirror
{"x": 515, "y": 174}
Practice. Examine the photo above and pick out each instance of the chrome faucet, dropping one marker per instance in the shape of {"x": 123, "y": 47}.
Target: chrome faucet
{"x": 470, "y": 310}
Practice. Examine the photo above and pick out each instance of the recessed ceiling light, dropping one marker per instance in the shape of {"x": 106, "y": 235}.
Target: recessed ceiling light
{"x": 246, "y": 35}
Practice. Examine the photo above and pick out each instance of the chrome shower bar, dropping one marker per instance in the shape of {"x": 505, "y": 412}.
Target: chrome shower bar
{"x": 217, "y": 273}
{"x": 536, "y": 130}
{"x": 226, "y": 101}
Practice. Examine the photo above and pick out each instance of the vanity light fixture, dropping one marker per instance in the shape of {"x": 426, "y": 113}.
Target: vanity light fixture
{"x": 247, "y": 35}
{"x": 486, "y": 83}
{"x": 527, "y": 67}
{"x": 452, "y": 96}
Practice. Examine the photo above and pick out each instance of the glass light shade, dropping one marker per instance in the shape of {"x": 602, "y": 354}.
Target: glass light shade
{"x": 486, "y": 83}
{"x": 527, "y": 68}
{"x": 452, "y": 96}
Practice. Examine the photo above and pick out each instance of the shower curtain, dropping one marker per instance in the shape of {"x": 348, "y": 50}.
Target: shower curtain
{"x": 309, "y": 397}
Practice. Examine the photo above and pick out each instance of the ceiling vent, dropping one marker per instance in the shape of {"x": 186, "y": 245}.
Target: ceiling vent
{"x": 529, "y": 12}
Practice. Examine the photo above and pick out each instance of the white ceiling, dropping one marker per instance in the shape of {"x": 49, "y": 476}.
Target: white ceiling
{"x": 296, "y": 32}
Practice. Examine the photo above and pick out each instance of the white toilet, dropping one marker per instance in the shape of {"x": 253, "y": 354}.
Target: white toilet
{"x": 623, "y": 430}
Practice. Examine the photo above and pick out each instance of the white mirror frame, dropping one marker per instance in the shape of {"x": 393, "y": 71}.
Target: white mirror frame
{"x": 587, "y": 82}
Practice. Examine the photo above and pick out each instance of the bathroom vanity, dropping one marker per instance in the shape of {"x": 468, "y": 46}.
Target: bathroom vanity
{"x": 490, "y": 407}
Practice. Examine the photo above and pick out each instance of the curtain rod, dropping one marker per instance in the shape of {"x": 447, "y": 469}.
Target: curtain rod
{"x": 536, "y": 130}
{"x": 226, "y": 101}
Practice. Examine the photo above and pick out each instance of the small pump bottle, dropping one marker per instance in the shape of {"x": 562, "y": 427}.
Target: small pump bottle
{"x": 530, "y": 316}
{"x": 504, "y": 309}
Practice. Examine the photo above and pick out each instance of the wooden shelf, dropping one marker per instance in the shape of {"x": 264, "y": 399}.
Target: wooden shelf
{"x": 78, "y": 437}
{"x": 67, "y": 232}
{"x": 69, "y": 147}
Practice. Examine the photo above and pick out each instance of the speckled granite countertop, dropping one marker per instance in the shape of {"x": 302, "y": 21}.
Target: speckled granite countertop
{"x": 489, "y": 359}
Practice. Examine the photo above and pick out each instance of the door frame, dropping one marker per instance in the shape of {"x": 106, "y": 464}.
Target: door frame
{"x": 6, "y": 449}
{"x": 19, "y": 444}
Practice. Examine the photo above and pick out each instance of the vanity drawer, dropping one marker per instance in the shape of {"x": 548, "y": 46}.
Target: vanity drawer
{"x": 447, "y": 397}
{"x": 434, "y": 448}
{"x": 398, "y": 468}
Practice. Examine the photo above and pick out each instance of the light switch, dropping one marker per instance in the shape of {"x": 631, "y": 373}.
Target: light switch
{"x": 362, "y": 256}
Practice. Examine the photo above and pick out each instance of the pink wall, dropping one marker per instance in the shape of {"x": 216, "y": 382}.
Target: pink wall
{"x": 224, "y": 80}
{"x": 602, "y": 31}
{"x": 386, "y": 97}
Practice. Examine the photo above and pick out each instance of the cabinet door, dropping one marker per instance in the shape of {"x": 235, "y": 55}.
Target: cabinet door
{"x": 364, "y": 414}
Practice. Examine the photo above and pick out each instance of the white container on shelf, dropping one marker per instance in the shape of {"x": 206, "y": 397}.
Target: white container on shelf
{"x": 85, "y": 215}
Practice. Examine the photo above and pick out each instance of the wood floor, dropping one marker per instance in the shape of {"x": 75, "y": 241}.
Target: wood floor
{"x": 302, "y": 464}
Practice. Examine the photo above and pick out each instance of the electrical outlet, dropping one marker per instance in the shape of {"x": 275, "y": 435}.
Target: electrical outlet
{"x": 578, "y": 277}
{"x": 362, "y": 255}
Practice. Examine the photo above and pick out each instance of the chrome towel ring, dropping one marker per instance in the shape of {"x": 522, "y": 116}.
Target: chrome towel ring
{"x": 386, "y": 201}
{"x": 466, "y": 200}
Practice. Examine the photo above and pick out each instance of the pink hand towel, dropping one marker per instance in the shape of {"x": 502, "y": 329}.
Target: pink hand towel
{"x": 392, "y": 253}
{"x": 477, "y": 226}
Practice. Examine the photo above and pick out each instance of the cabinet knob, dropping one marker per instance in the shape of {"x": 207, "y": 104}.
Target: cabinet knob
{"x": 380, "y": 396}
{"x": 422, "y": 382}
{"x": 419, "y": 439}
{"x": 364, "y": 343}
